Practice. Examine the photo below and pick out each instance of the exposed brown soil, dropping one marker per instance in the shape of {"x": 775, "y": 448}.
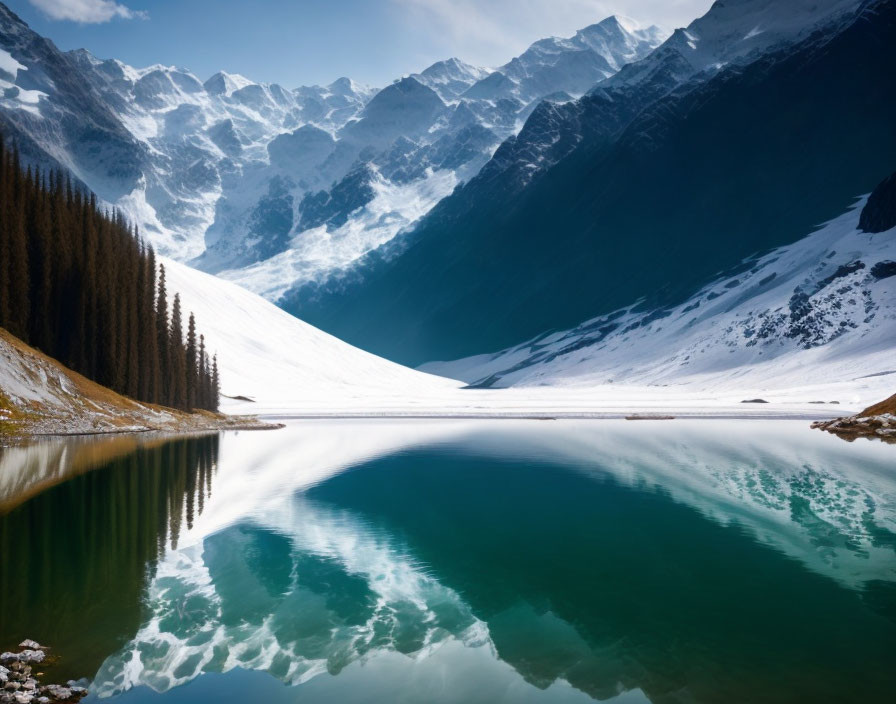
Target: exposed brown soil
{"x": 60, "y": 401}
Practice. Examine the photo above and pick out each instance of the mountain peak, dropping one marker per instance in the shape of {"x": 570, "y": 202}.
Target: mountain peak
{"x": 223, "y": 83}
{"x": 408, "y": 85}
{"x": 624, "y": 23}
{"x": 342, "y": 85}
{"x": 450, "y": 77}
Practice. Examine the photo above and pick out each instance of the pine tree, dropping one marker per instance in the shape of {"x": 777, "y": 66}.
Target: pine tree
{"x": 63, "y": 310}
{"x": 19, "y": 277}
{"x": 4, "y": 241}
{"x": 192, "y": 363}
{"x": 130, "y": 273}
{"x": 216, "y": 386}
{"x": 202, "y": 394}
{"x": 37, "y": 225}
{"x": 163, "y": 339}
{"x": 148, "y": 339}
{"x": 178, "y": 370}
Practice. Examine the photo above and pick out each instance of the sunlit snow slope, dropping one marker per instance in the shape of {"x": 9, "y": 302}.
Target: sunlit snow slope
{"x": 281, "y": 363}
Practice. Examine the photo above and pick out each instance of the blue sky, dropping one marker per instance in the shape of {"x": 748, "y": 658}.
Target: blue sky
{"x": 298, "y": 42}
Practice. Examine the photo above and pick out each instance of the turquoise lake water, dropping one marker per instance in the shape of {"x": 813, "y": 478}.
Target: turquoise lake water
{"x": 486, "y": 561}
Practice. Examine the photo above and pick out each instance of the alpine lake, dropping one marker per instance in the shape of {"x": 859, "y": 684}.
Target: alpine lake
{"x": 457, "y": 561}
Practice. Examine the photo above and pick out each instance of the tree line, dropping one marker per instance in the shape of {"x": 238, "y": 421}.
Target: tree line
{"x": 78, "y": 283}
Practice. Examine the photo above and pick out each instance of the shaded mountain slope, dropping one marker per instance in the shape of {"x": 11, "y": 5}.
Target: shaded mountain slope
{"x": 825, "y": 303}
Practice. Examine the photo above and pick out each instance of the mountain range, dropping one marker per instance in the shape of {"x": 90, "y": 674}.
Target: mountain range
{"x": 643, "y": 190}
{"x": 276, "y": 186}
{"x": 619, "y": 205}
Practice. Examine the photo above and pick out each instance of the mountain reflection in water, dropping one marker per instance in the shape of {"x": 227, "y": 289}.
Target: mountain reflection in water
{"x": 471, "y": 561}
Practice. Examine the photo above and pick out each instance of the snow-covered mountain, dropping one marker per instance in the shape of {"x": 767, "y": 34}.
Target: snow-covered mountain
{"x": 771, "y": 118}
{"x": 569, "y": 67}
{"x": 273, "y": 186}
{"x": 205, "y": 140}
{"x": 57, "y": 119}
{"x": 826, "y": 303}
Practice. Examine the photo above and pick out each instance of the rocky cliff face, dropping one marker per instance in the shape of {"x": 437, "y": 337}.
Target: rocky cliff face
{"x": 879, "y": 213}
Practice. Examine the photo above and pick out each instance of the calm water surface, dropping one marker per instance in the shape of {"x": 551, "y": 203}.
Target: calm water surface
{"x": 488, "y": 561}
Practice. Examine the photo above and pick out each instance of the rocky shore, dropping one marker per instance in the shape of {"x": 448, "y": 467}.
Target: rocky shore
{"x": 19, "y": 683}
{"x": 877, "y": 421}
{"x": 882, "y": 427}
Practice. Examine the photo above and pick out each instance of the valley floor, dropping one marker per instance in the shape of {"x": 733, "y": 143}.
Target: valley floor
{"x": 814, "y": 402}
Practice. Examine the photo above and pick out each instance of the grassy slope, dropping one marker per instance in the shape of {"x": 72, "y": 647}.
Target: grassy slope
{"x": 878, "y": 409}
{"x": 38, "y": 396}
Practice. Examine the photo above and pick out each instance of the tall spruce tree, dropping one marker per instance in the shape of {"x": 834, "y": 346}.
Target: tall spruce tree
{"x": 216, "y": 386}
{"x": 148, "y": 339}
{"x": 202, "y": 392}
{"x": 178, "y": 370}
{"x": 163, "y": 339}
{"x": 192, "y": 363}
{"x": 4, "y": 242}
{"x": 19, "y": 274}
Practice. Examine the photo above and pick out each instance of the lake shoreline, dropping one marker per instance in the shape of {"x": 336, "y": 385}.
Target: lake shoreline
{"x": 201, "y": 424}
{"x": 640, "y": 414}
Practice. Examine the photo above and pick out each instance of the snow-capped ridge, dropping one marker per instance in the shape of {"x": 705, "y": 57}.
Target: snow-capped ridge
{"x": 736, "y": 31}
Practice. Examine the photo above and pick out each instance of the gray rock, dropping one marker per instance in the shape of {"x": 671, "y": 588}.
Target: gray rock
{"x": 23, "y": 698}
{"x": 31, "y": 656}
{"x": 31, "y": 644}
{"x": 57, "y": 692}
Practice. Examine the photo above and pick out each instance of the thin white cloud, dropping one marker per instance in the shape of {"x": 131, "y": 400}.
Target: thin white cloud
{"x": 491, "y": 31}
{"x": 86, "y": 11}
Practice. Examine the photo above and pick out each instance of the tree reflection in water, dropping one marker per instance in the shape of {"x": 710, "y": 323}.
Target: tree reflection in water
{"x": 76, "y": 558}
